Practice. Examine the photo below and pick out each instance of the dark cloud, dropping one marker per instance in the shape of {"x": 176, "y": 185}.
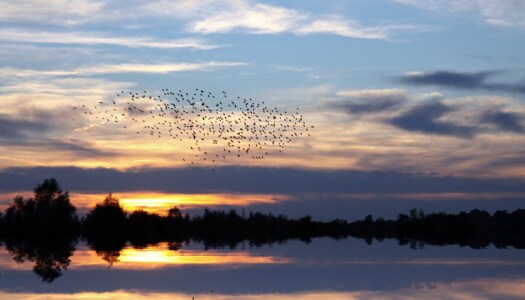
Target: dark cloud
{"x": 504, "y": 120}
{"x": 461, "y": 80}
{"x": 77, "y": 147}
{"x": 371, "y": 107}
{"x": 325, "y": 194}
{"x": 250, "y": 180}
{"x": 370, "y": 104}
{"x": 425, "y": 118}
{"x": 448, "y": 79}
{"x": 11, "y": 128}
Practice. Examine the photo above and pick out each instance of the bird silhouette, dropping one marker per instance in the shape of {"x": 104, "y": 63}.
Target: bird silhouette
{"x": 216, "y": 129}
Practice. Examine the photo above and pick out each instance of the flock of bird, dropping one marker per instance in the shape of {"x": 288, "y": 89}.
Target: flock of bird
{"x": 213, "y": 128}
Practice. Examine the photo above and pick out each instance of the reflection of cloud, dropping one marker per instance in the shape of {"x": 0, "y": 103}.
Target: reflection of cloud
{"x": 511, "y": 289}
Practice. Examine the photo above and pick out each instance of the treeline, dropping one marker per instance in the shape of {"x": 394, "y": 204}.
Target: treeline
{"x": 108, "y": 226}
{"x": 476, "y": 229}
{"x": 44, "y": 229}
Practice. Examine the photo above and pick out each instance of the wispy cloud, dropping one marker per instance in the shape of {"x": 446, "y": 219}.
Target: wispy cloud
{"x": 92, "y": 38}
{"x": 509, "y": 13}
{"x": 349, "y": 28}
{"x": 120, "y": 68}
{"x": 253, "y": 18}
{"x": 204, "y": 17}
{"x": 214, "y": 16}
{"x": 62, "y": 12}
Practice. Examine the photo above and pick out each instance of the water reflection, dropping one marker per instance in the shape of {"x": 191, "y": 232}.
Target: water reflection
{"x": 478, "y": 289}
{"x": 323, "y": 269}
{"x": 50, "y": 257}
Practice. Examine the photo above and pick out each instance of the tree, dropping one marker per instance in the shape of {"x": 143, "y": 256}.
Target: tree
{"x": 50, "y": 211}
{"x": 175, "y": 213}
{"x": 106, "y": 218}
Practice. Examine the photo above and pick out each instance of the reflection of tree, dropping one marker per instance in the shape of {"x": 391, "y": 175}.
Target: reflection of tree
{"x": 111, "y": 256}
{"x": 51, "y": 256}
{"x": 107, "y": 248}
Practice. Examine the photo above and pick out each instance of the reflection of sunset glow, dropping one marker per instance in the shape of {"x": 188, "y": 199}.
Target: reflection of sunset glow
{"x": 153, "y": 258}
{"x": 475, "y": 289}
{"x": 160, "y": 255}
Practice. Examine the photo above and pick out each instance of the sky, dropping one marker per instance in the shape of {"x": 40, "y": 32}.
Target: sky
{"x": 412, "y": 99}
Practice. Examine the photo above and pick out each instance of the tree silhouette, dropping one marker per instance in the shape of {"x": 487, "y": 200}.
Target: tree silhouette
{"x": 49, "y": 212}
{"x": 51, "y": 256}
{"x": 107, "y": 218}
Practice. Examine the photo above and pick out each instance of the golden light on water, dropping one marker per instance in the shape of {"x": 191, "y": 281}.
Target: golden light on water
{"x": 151, "y": 257}
{"x": 155, "y": 258}
{"x": 456, "y": 290}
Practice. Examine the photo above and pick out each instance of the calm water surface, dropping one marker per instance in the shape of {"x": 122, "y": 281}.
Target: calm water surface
{"x": 322, "y": 269}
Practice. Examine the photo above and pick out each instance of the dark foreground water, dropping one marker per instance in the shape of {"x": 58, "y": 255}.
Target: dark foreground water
{"x": 323, "y": 269}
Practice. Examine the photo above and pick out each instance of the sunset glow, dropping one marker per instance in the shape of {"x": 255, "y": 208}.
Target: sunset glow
{"x": 161, "y": 203}
{"x": 262, "y": 149}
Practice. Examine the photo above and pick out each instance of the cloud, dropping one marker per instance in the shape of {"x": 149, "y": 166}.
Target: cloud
{"x": 254, "y": 18}
{"x": 447, "y": 78}
{"x": 369, "y": 101}
{"x": 61, "y": 12}
{"x": 121, "y": 68}
{"x": 505, "y": 121}
{"x": 213, "y": 16}
{"x": 348, "y": 28}
{"x": 92, "y": 38}
{"x": 67, "y": 147}
{"x": 251, "y": 180}
{"x": 509, "y": 13}
{"x": 11, "y": 128}
{"x": 460, "y": 80}
{"x": 425, "y": 118}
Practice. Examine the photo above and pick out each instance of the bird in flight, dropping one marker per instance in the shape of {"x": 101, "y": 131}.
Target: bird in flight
{"x": 215, "y": 129}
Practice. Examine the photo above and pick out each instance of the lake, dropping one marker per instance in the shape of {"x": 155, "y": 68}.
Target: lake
{"x": 322, "y": 269}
